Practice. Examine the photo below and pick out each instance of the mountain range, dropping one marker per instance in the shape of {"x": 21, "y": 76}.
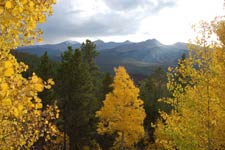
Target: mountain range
{"x": 138, "y": 57}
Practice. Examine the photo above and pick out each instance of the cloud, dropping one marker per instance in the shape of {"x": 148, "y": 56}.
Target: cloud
{"x": 79, "y": 18}
{"x": 98, "y": 25}
{"x": 123, "y": 5}
{"x": 153, "y": 6}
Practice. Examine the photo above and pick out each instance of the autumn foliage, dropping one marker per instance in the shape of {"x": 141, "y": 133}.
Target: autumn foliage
{"x": 197, "y": 120}
{"x": 197, "y": 84}
{"x": 122, "y": 112}
{"x": 22, "y": 120}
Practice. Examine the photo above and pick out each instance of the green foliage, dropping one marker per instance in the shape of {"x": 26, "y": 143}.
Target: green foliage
{"x": 107, "y": 84}
{"x": 31, "y": 60}
{"x": 77, "y": 97}
{"x": 46, "y": 69}
{"x": 152, "y": 88}
{"x": 89, "y": 53}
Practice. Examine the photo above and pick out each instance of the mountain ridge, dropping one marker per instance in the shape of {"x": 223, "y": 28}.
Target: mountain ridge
{"x": 138, "y": 57}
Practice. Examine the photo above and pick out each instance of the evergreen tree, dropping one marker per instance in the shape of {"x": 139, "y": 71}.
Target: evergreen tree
{"x": 106, "y": 141}
{"x": 77, "y": 99}
{"x": 45, "y": 70}
{"x": 107, "y": 84}
{"x": 89, "y": 53}
{"x": 152, "y": 88}
{"x": 31, "y": 60}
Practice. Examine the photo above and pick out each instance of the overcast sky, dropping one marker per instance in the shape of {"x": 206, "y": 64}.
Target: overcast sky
{"x": 169, "y": 21}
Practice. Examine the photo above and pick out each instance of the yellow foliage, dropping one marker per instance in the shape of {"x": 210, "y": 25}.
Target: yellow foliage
{"x": 21, "y": 112}
{"x": 22, "y": 120}
{"x": 56, "y": 142}
{"x": 1, "y": 10}
{"x": 18, "y": 20}
{"x": 197, "y": 121}
{"x": 122, "y": 112}
{"x": 50, "y": 81}
{"x": 7, "y": 102}
{"x": 8, "y": 5}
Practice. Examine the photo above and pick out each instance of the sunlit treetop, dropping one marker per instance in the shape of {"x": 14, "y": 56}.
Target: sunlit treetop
{"x": 18, "y": 21}
{"x": 122, "y": 112}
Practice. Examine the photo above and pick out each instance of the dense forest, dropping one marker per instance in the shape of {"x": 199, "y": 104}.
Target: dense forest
{"x": 79, "y": 82}
{"x": 72, "y": 105}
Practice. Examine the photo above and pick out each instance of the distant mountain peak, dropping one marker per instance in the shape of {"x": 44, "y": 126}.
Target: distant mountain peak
{"x": 99, "y": 41}
{"x": 153, "y": 41}
{"x": 179, "y": 43}
{"x": 127, "y": 42}
{"x": 70, "y": 42}
{"x": 138, "y": 57}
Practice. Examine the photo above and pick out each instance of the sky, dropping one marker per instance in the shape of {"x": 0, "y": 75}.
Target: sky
{"x": 168, "y": 21}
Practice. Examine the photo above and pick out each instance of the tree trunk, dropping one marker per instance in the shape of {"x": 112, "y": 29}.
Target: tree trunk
{"x": 64, "y": 137}
{"x": 122, "y": 142}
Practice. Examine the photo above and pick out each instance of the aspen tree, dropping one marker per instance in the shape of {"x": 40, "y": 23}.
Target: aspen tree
{"x": 198, "y": 123}
{"x": 22, "y": 120}
{"x": 122, "y": 112}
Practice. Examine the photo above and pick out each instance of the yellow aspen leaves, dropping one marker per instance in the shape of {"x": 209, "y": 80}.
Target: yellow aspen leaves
{"x": 24, "y": 119}
{"x": 7, "y": 102}
{"x": 23, "y": 1}
{"x": 122, "y": 112}
{"x": 20, "y": 107}
{"x": 34, "y": 78}
{"x": 197, "y": 121}
{"x": 38, "y": 106}
{"x": 42, "y": 18}
{"x": 50, "y": 81}
{"x": 39, "y": 87}
{"x": 8, "y": 72}
{"x": 31, "y": 4}
{"x": 17, "y": 96}
{"x": 19, "y": 19}
{"x": 8, "y": 64}
{"x": 16, "y": 112}
{"x": 4, "y": 86}
{"x": 1, "y": 10}
{"x": 8, "y": 4}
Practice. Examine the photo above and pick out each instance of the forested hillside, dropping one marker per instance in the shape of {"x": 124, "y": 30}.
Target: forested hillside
{"x": 71, "y": 104}
{"x": 138, "y": 58}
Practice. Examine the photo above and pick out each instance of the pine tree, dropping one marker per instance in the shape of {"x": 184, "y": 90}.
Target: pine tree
{"x": 107, "y": 84}
{"x": 45, "y": 70}
{"x": 77, "y": 98}
{"x": 122, "y": 112}
{"x": 152, "y": 88}
{"x": 89, "y": 53}
{"x": 106, "y": 141}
